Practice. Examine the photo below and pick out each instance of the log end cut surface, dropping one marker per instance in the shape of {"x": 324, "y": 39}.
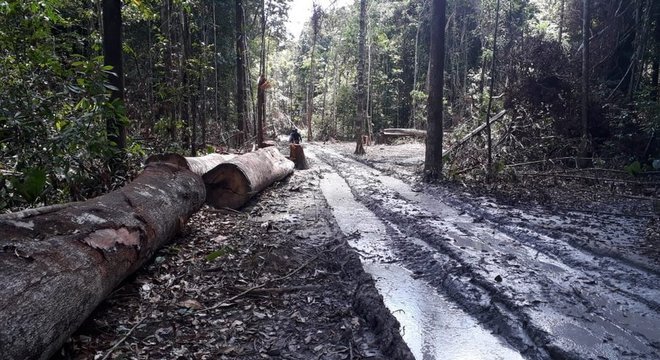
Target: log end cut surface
{"x": 233, "y": 183}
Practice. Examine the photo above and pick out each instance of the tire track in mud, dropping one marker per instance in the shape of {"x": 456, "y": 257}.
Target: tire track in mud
{"x": 546, "y": 297}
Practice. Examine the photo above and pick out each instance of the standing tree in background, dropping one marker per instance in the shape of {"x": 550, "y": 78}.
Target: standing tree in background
{"x": 240, "y": 75}
{"x": 361, "y": 100}
{"x": 433, "y": 157}
{"x": 262, "y": 83}
{"x": 112, "y": 52}
{"x": 489, "y": 132}
{"x": 586, "y": 33}
{"x": 316, "y": 27}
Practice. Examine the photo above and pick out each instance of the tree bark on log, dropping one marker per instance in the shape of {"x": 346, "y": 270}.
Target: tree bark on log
{"x": 297, "y": 155}
{"x": 232, "y": 183}
{"x": 199, "y": 165}
{"x": 57, "y": 266}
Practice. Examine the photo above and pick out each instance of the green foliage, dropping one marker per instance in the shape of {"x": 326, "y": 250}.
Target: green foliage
{"x": 52, "y": 116}
{"x": 219, "y": 253}
{"x": 634, "y": 168}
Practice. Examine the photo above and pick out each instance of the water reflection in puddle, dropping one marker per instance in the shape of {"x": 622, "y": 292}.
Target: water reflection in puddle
{"x": 432, "y": 326}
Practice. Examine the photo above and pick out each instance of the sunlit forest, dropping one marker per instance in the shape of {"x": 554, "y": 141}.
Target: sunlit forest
{"x": 560, "y": 79}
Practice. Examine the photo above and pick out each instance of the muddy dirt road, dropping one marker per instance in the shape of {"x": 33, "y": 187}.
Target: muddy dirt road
{"x": 470, "y": 278}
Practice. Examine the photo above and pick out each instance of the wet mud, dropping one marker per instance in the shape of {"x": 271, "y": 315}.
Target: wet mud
{"x": 549, "y": 284}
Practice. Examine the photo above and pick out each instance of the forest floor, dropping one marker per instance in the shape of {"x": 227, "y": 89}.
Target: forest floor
{"x": 506, "y": 271}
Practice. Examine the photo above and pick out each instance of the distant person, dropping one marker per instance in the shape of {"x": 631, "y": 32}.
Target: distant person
{"x": 294, "y": 137}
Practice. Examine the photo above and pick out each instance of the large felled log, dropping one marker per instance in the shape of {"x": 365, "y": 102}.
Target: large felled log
{"x": 199, "y": 165}
{"x": 297, "y": 155}
{"x": 57, "y": 265}
{"x": 232, "y": 183}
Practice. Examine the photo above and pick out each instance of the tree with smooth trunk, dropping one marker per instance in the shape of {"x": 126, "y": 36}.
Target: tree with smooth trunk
{"x": 361, "y": 118}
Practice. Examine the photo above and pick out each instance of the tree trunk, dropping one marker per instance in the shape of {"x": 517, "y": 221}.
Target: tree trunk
{"x": 112, "y": 52}
{"x": 361, "y": 101}
{"x": 241, "y": 122}
{"x": 586, "y": 30}
{"x": 492, "y": 90}
{"x": 413, "y": 119}
{"x": 433, "y": 157}
{"x": 297, "y": 155}
{"x": 232, "y": 183}
{"x": 310, "y": 87}
{"x": 561, "y": 20}
{"x": 199, "y": 165}
{"x": 655, "y": 66}
{"x": 261, "y": 109}
{"x": 58, "y": 265}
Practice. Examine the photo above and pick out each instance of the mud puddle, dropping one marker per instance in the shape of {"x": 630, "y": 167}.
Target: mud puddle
{"x": 432, "y": 326}
{"x": 547, "y": 286}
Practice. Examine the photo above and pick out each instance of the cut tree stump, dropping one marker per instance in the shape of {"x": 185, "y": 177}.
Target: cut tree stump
{"x": 57, "y": 265}
{"x": 200, "y": 165}
{"x": 232, "y": 183}
{"x": 297, "y": 155}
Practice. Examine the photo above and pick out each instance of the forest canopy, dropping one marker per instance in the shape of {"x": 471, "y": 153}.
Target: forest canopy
{"x": 190, "y": 71}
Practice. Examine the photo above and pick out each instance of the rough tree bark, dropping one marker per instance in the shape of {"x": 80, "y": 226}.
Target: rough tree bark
{"x": 232, "y": 183}
{"x": 57, "y": 265}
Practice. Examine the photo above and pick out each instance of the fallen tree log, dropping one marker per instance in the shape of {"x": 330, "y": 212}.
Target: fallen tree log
{"x": 297, "y": 155}
{"x": 232, "y": 183}
{"x": 56, "y": 266}
{"x": 404, "y": 132}
{"x": 387, "y": 135}
{"x": 200, "y": 165}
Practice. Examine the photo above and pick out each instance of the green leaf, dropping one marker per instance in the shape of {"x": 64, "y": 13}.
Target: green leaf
{"x": 218, "y": 253}
{"x": 32, "y": 184}
{"x": 633, "y": 169}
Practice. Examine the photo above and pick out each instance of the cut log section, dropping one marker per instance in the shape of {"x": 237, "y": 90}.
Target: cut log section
{"x": 297, "y": 155}
{"x": 232, "y": 183}
{"x": 57, "y": 265}
{"x": 199, "y": 165}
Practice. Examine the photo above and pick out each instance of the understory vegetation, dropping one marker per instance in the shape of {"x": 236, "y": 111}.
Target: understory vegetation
{"x": 191, "y": 67}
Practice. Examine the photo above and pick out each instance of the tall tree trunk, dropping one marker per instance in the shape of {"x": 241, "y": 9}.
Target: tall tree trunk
{"x": 216, "y": 85}
{"x": 655, "y": 72}
{"x": 202, "y": 78}
{"x": 413, "y": 113}
{"x": 316, "y": 14}
{"x": 262, "y": 84}
{"x": 561, "y": 20}
{"x": 190, "y": 104}
{"x": 361, "y": 101}
{"x": 433, "y": 156}
{"x": 261, "y": 109}
{"x": 586, "y": 33}
{"x": 492, "y": 90}
{"x": 240, "y": 76}
{"x": 112, "y": 52}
